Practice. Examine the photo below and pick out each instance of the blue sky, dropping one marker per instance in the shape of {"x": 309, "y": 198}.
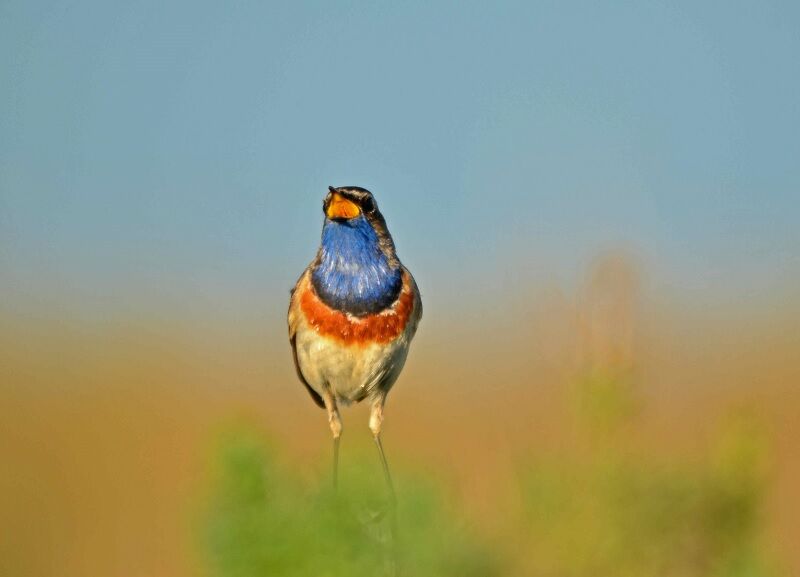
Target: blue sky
{"x": 177, "y": 153}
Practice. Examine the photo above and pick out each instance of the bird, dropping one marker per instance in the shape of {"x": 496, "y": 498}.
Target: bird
{"x": 352, "y": 315}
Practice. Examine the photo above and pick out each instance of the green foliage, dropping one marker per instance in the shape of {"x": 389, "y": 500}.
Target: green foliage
{"x": 263, "y": 521}
{"x": 604, "y": 398}
{"x": 604, "y": 508}
{"x": 625, "y": 517}
{"x": 599, "y": 507}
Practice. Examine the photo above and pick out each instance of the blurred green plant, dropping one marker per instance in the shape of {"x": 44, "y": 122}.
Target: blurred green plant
{"x": 605, "y": 509}
{"x": 263, "y": 520}
{"x": 596, "y": 508}
{"x": 604, "y": 398}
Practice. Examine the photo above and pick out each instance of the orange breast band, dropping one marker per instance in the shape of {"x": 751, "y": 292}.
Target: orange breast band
{"x": 382, "y": 327}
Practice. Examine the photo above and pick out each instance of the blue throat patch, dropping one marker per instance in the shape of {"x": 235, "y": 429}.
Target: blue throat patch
{"x": 353, "y": 274}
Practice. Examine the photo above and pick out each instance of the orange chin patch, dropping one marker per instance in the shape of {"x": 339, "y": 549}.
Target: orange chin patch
{"x": 377, "y": 328}
{"x": 340, "y": 207}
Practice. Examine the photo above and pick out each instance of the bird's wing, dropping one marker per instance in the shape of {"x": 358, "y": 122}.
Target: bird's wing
{"x": 293, "y": 320}
{"x": 417, "y": 311}
{"x": 381, "y": 379}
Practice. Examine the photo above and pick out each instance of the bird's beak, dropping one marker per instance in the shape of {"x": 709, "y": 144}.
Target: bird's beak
{"x": 341, "y": 208}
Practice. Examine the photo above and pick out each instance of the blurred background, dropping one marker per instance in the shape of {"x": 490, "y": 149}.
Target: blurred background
{"x": 599, "y": 202}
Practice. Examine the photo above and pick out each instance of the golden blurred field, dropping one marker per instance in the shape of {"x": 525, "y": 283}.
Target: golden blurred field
{"x": 108, "y": 425}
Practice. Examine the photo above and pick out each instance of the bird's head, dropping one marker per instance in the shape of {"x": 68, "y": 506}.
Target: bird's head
{"x": 348, "y": 202}
{"x": 353, "y": 207}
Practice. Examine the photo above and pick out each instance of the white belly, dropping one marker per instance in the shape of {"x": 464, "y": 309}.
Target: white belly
{"x": 350, "y": 372}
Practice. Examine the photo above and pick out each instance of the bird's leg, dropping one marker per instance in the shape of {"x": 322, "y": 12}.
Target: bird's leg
{"x": 375, "y": 422}
{"x": 335, "y": 424}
